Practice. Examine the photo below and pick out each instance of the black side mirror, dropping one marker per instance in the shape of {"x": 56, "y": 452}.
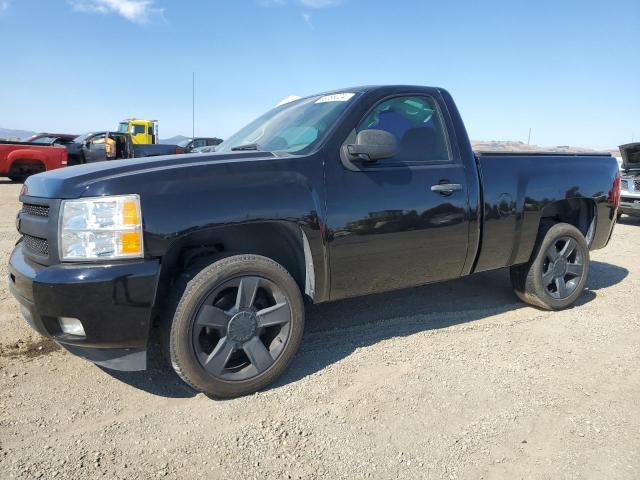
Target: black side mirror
{"x": 372, "y": 145}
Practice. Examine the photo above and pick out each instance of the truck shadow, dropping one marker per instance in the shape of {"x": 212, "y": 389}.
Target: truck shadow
{"x": 334, "y": 330}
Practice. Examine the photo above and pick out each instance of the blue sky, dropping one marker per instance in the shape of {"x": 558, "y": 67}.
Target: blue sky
{"x": 568, "y": 69}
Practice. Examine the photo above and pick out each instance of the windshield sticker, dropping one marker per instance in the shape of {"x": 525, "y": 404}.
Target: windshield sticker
{"x": 336, "y": 97}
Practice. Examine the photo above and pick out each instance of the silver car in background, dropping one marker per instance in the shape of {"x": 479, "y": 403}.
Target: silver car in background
{"x": 630, "y": 179}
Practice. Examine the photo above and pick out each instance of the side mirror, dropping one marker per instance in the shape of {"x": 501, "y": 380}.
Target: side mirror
{"x": 372, "y": 145}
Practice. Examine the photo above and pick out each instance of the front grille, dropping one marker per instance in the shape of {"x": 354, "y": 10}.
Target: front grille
{"x": 624, "y": 184}
{"x": 35, "y": 210}
{"x": 39, "y": 246}
{"x": 636, "y": 183}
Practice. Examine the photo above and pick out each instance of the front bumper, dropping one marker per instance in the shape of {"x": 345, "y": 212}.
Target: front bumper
{"x": 630, "y": 195}
{"x": 629, "y": 204}
{"x": 113, "y": 301}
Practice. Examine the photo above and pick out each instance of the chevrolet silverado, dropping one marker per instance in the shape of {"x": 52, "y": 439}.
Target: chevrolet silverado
{"x": 330, "y": 196}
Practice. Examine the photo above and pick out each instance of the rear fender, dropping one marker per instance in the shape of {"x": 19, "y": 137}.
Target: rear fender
{"x": 27, "y": 155}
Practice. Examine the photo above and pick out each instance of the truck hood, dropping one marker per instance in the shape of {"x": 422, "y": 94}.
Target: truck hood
{"x": 630, "y": 156}
{"x": 72, "y": 182}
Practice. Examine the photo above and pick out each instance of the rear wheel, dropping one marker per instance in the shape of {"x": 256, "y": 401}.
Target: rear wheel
{"x": 237, "y": 326}
{"x": 16, "y": 177}
{"x": 557, "y": 272}
{"x": 19, "y": 172}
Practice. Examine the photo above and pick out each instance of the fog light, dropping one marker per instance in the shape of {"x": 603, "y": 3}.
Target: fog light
{"x": 72, "y": 326}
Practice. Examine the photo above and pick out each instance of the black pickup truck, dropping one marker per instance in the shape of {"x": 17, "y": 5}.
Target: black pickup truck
{"x": 90, "y": 147}
{"x": 330, "y": 196}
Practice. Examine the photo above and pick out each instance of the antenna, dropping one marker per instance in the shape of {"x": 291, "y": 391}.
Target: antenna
{"x": 193, "y": 104}
{"x": 529, "y": 137}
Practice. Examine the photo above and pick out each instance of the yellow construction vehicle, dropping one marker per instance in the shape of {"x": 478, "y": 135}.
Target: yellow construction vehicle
{"x": 143, "y": 132}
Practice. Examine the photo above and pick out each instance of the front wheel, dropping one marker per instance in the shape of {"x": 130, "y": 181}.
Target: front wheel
{"x": 237, "y": 326}
{"x": 557, "y": 272}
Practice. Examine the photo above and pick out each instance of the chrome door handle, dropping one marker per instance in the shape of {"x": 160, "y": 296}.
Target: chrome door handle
{"x": 446, "y": 188}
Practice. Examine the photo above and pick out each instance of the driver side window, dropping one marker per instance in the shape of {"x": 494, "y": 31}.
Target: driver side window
{"x": 98, "y": 139}
{"x": 416, "y": 124}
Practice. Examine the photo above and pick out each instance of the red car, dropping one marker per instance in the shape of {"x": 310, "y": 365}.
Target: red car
{"x": 18, "y": 160}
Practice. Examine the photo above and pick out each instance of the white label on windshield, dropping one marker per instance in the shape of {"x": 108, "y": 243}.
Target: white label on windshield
{"x": 336, "y": 97}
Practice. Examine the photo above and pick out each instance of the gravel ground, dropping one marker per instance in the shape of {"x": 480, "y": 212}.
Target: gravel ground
{"x": 456, "y": 380}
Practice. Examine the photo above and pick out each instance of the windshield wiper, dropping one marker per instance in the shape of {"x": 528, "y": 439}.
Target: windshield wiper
{"x": 248, "y": 146}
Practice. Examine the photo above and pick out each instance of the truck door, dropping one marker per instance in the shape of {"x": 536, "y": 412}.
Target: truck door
{"x": 94, "y": 149}
{"x": 401, "y": 221}
{"x": 139, "y": 133}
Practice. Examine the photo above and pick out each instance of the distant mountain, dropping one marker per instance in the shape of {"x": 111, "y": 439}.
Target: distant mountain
{"x": 478, "y": 145}
{"x": 511, "y": 146}
{"x": 173, "y": 140}
{"x": 9, "y": 134}
{"x": 14, "y": 135}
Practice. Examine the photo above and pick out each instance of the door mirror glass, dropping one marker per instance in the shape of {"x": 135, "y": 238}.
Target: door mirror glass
{"x": 372, "y": 145}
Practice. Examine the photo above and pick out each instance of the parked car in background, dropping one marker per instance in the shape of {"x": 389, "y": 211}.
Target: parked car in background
{"x": 630, "y": 182}
{"x": 91, "y": 147}
{"x": 19, "y": 160}
{"x": 190, "y": 144}
{"x": 348, "y": 193}
{"x": 207, "y": 149}
{"x": 51, "y": 138}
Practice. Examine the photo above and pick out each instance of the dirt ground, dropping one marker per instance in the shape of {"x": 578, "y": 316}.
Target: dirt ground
{"x": 456, "y": 380}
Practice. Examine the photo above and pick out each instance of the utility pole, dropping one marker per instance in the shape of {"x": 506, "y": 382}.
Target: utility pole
{"x": 193, "y": 105}
{"x": 529, "y": 137}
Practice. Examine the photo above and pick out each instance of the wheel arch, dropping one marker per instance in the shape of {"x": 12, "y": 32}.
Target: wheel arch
{"x": 283, "y": 242}
{"x": 27, "y": 156}
{"x": 579, "y": 212}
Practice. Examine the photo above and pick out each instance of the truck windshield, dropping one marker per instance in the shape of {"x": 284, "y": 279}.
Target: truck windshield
{"x": 83, "y": 138}
{"x": 123, "y": 127}
{"x": 295, "y": 127}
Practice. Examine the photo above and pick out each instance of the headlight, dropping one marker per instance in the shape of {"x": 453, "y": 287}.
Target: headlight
{"x": 101, "y": 228}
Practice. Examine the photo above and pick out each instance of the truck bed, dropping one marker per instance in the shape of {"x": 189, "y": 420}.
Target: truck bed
{"x": 517, "y": 187}
{"x": 541, "y": 153}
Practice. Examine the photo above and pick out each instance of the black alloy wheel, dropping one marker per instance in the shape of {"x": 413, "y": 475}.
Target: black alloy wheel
{"x": 241, "y": 328}
{"x": 563, "y": 267}
{"x": 236, "y": 326}
{"x": 557, "y": 271}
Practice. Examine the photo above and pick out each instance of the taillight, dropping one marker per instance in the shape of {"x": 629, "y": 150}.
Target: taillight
{"x": 614, "y": 193}
{"x": 178, "y": 150}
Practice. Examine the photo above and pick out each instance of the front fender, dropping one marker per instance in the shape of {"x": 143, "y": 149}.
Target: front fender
{"x": 239, "y": 206}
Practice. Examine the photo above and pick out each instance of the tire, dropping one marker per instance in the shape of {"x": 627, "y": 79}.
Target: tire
{"x": 19, "y": 172}
{"x": 554, "y": 284}
{"x": 16, "y": 177}
{"x": 236, "y": 327}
